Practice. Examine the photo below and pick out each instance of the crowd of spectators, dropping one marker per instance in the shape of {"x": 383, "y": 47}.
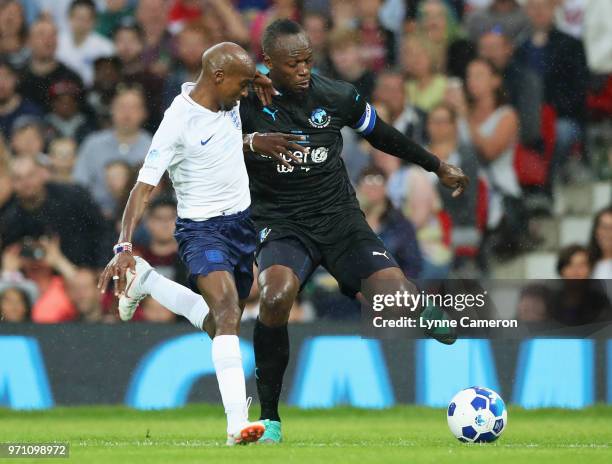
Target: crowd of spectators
{"x": 518, "y": 93}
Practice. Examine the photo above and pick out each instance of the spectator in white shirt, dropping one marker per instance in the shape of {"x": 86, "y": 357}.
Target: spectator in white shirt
{"x": 80, "y": 46}
{"x": 57, "y": 10}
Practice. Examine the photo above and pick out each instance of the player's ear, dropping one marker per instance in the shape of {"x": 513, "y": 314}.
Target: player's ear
{"x": 267, "y": 61}
{"x": 219, "y": 76}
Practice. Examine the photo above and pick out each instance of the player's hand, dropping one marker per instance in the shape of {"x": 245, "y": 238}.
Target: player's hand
{"x": 263, "y": 88}
{"x": 452, "y": 177}
{"x": 115, "y": 270}
{"x": 277, "y": 145}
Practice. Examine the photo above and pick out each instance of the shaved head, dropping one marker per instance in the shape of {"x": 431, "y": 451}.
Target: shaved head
{"x": 227, "y": 72}
{"x": 227, "y": 57}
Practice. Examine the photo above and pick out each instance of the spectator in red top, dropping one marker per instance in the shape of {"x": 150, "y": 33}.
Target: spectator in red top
{"x": 42, "y": 262}
{"x": 182, "y": 12}
{"x": 223, "y": 22}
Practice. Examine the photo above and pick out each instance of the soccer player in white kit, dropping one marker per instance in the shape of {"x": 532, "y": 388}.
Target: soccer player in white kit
{"x": 200, "y": 144}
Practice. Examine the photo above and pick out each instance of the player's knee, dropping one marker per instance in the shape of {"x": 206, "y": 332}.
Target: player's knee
{"x": 227, "y": 322}
{"x": 275, "y": 303}
{"x": 226, "y": 315}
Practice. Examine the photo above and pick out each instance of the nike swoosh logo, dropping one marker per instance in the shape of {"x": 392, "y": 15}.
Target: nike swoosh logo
{"x": 205, "y": 142}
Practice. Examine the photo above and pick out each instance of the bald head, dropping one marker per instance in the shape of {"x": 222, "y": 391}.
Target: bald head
{"x": 227, "y": 71}
{"x": 227, "y": 57}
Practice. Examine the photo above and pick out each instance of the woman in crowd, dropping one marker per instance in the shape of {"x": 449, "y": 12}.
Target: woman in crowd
{"x": 600, "y": 246}
{"x": 491, "y": 127}
{"x": 437, "y": 22}
{"x": 14, "y": 305}
{"x": 396, "y": 232}
{"x": 425, "y": 86}
{"x": 444, "y": 143}
{"x": 573, "y": 262}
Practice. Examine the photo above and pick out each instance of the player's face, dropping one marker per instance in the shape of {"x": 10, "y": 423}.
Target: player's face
{"x": 290, "y": 63}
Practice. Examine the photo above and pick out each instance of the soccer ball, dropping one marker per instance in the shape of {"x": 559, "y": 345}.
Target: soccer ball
{"x": 477, "y": 415}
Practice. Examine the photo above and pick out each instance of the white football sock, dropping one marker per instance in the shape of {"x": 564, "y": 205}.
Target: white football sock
{"x": 230, "y": 375}
{"x": 176, "y": 297}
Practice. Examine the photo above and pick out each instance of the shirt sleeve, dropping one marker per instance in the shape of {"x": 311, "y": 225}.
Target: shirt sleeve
{"x": 361, "y": 116}
{"x": 163, "y": 149}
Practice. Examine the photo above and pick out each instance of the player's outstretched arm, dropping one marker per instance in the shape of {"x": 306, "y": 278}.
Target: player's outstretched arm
{"x": 278, "y": 146}
{"x": 388, "y": 139}
{"x": 124, "y": 260}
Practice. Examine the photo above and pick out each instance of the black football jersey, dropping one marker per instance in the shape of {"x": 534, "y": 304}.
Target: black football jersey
{"x": 320, "y": 184}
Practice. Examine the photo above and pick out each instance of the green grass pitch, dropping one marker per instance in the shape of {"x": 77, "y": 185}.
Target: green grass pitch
{"x": 406, "y": 434}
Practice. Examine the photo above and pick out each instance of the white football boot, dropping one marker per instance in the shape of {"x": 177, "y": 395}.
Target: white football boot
{"x": 133, "y": 294}
{"x": 249, "y": 432}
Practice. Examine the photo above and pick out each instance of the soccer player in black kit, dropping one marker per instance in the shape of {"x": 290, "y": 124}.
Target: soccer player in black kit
{"x": 307, "y": 213}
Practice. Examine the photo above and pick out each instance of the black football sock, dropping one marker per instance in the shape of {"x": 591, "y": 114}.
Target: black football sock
{"x": 271, "y": 358}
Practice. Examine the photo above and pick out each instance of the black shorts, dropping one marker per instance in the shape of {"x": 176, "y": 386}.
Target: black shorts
{"x": 344, "y": 244}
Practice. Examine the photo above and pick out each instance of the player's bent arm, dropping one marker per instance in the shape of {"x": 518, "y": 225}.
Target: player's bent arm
{"x": 123, "y": 259}
{"x": 387, "y": 138}
{"x": 134, "y": 209}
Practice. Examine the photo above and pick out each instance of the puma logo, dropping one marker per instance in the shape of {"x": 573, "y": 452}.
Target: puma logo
{"x": 378, "y": 253}
{"x": 270, "y": 112}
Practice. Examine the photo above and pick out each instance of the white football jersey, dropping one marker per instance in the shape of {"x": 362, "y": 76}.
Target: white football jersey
{"x": 202, "y": 151}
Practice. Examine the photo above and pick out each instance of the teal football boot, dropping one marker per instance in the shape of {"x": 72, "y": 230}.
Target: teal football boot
{"x": 273, "y": 434}
{"x": 446, "y": 335}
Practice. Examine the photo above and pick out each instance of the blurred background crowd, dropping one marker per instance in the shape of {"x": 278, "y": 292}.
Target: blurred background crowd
{"x": 518, "y": 93}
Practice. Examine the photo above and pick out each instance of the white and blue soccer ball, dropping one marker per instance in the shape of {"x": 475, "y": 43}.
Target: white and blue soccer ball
{"x": 477, "y": 415}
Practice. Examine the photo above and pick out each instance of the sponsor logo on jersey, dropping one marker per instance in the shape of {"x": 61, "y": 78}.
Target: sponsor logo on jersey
{"x": 270, "y": 112}
{"x": 319, "y": 118}
{"x": 378, "y": 253}
{"x": 318, "y": 155}
{"x": 204, "y": 142}
{"x": 263, "y": 233}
